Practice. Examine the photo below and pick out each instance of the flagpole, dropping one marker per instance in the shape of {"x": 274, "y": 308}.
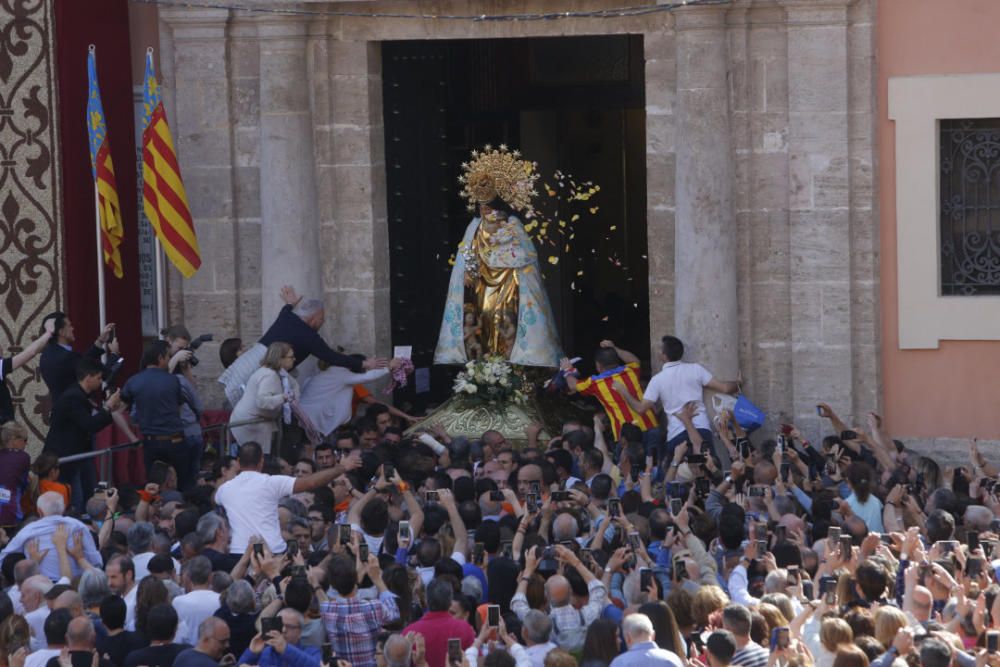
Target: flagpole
{"x": 101, "y": 305}
{"x": 161, "y": 292}
{"x": 100, "y": 260}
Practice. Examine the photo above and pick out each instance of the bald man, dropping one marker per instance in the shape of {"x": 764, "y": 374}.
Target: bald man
{"x": 570, "y": 623}
{"x": 213, "y": 644}
{"x": 81, "y": 642}
{"x": 922, "y": 602}
{"x": 397, "y": 651}
{"x": 565, "y": 528}
{"x": 71, "y": 601}
{"x": 33, "y": 591}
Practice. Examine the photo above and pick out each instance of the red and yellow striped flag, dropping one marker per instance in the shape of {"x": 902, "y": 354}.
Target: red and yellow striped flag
{"x": 103, "y": 171}
{"x": 163, "y": 196}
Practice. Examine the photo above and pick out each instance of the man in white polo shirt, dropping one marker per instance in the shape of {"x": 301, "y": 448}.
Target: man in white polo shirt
{"x": 251, "y": 498}
{"x": 677, "y": 384}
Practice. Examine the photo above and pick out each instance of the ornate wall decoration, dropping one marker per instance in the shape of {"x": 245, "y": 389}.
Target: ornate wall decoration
{"x": 30, "y": 242}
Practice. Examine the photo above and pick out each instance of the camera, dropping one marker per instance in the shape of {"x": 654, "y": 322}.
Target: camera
{"x": 192, "y": 346}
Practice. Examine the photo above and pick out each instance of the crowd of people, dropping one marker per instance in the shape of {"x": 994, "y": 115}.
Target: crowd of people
{"x": 648, "y": 535}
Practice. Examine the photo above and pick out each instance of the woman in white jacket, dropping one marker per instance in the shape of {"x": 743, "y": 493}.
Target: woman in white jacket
{"x": 268, "y": 395}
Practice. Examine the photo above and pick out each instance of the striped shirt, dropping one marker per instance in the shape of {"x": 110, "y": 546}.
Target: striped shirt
{"x": 600, "y": 387}
{"x": 751, "y": 655}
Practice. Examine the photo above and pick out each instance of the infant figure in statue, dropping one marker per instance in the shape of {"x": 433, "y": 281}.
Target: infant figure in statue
{"x": 473, "y": 348}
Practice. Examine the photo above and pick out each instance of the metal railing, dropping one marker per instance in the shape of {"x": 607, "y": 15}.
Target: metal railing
{"x": 226, "y": 443}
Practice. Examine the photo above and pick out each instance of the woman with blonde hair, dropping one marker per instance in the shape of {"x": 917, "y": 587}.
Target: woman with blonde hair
{"x": 822, "y": 633}
{"x": 772, "y": 616}
{"x": 707, "y": 601}
{"x": 888, "y": 622}
{"x": 268, "y": 397}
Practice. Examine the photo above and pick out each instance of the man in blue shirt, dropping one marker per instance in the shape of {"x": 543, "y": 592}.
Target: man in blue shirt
{"x": 51, "y": 507}
{"x": 637, "y": 630}
{"x": 156, "y": 397}
{"x": 282, "y": 649}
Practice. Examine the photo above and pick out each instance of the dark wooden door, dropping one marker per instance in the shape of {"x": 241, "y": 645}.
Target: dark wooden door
{"x": 574, "y": 104}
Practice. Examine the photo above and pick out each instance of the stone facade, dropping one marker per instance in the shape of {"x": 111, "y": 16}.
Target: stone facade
{"x": 759, "y": 124}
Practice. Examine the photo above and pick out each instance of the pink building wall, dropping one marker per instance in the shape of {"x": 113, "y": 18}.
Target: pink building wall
{"x": 951, "y": 391}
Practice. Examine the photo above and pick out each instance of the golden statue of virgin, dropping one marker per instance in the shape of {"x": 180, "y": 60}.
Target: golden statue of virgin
{"x": 497, "y": 303}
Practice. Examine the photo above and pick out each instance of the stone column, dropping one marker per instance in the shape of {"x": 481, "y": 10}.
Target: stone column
{"x": 705, "y": 315}
{"x": 195, "y": 80}
{"x": 819, "y": 207}
{"x": 289, "y": 221}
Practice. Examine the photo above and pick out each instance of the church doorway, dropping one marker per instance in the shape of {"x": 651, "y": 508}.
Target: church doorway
{"x": 573, "y": 104}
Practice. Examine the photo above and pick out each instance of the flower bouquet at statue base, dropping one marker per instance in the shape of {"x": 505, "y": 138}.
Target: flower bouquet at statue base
{"x": 491, "y": 380}
{"x": 490, "y": 394}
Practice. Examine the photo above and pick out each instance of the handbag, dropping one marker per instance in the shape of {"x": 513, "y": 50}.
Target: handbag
{"x": 748, "y": 415}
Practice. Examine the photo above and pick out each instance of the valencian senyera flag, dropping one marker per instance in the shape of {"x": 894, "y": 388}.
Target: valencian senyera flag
{"x": 163, "y": 196}
{"x": 103, "y": 171}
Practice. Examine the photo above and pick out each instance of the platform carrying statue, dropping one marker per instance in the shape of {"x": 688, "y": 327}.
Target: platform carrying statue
{"x": 497, "y": 304}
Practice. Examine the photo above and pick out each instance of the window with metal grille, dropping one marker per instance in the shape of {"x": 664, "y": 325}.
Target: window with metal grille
{"x": 970, "y": 206}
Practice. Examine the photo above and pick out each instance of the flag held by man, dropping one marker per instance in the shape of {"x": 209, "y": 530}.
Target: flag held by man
{"x": 163, "y": 196}
{"x": 103, "y": 171}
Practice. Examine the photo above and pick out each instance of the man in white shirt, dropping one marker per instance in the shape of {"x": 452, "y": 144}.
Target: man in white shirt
{"x": 536, "y": 630}
{"x": 140, "y": 546}
{"x": 33, "y": 592}
{"x": 677, "y": 384}
{"x": 121, "y": 581}
{"x": 251, "y": 498}
{"x": 198, "y": 603}
{"x": 56, "y": 626}
{"x": 22, "y": 571}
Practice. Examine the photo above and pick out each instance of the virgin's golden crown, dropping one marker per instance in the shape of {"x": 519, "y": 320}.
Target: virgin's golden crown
{"x": 499, "y": 172}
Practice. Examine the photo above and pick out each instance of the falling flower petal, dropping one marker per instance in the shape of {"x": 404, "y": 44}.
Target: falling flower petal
{"x": 593, "y": 210}
{"x": 576, "y": 216}
{"x": 613, "y": 227}
{"x": 605, "y": 318}
{"x": 553, "y": 260}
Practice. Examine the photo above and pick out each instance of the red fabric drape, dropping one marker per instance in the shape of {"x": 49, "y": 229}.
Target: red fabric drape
{"x": 103, "y": 23}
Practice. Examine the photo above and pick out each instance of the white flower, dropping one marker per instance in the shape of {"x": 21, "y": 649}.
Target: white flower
{"x": 504, "y": 382}
{"x": 471, "y": 389}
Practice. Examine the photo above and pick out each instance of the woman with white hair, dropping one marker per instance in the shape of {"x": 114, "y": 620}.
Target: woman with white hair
{"x": 268, "y": 396}
{"x": 239, "y": 611}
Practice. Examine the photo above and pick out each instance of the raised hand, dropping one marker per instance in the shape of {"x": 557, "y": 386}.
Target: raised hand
{"x": 32, "y": 549}
{"x": 289, "y": 296}
{"x": 60, "y": 538}
{"x": 106, "y": 333}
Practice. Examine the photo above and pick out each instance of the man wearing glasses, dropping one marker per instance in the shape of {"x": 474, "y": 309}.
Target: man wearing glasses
{"x": 282, "y": 648}
{"x": 213, "y": 645}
